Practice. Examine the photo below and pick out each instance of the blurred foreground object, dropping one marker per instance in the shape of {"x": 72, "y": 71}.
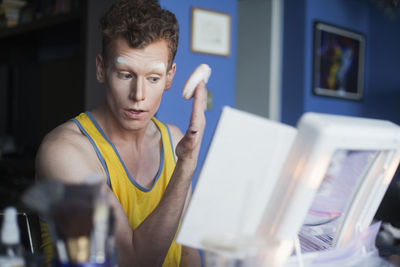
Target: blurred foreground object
{"x": 314, "y": 188}
{"x": 11, "y": 252}
{"x": 79, "y": 219}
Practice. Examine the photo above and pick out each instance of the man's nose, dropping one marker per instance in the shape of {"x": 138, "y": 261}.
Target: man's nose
{"x": 138, "y": 90}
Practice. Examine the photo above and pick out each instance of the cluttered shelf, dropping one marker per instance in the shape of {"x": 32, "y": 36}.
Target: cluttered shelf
{"x": 18, "y": 17}
{"x": 40, "y": 41}
{"x": 40, "y": 24}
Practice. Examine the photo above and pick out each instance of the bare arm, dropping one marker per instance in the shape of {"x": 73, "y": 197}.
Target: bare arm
{"x": 66, "y": 155}
{"x": 151, "y": 240}
{"x": 190, "y": 257}
{"x": 69, "y": 157}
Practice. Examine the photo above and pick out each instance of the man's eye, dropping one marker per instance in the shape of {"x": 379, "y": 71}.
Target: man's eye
{"x": 124, "y": 75}
{"x": 154, "y": 79}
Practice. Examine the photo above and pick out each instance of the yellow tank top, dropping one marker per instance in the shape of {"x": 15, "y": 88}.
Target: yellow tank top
{"x": 138, "y": 202}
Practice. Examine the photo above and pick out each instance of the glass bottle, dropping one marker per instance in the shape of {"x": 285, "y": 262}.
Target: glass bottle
{"x": 11, "y": 251}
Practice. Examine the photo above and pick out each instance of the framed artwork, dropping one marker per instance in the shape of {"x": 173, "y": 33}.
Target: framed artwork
{"x": 210, "y": 32}
{"x": 338, "y": 62}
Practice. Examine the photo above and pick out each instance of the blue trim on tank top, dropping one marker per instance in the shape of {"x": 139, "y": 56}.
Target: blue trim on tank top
{"x": 171, "y": 142}
{"x": 133, "y": 181}
{"x": 99, "y": 155}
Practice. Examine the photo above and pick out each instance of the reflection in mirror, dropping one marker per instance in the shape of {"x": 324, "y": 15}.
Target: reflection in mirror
{"x": 345, "y": 174}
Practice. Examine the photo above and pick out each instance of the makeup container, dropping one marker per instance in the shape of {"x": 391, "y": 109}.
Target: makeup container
{"x": 80, "y": 222}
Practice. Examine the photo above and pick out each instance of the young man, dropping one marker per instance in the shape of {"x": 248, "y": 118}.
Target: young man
{"x": 123, "y": 141}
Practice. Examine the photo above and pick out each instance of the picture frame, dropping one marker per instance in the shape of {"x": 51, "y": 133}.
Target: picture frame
{"x": 338, "y": 62}
{"x": 210, "y": 32}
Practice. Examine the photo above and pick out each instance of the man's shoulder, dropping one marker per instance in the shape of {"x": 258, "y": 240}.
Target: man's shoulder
{"x": 174, "y": 129}
{"x": 63, "y": 152}
{"x": 63, "y": 136}
{"x": 176, "y": 134}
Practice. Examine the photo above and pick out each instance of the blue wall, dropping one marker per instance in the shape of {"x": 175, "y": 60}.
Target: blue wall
{"x": 174, "y": 109}
{"x": 383, "y": 95}
{"x": 382, "y": 59}
{"x": 382, "y": 62}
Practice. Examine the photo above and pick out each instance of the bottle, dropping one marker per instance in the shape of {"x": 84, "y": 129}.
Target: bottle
{"x": 11, "y": 251}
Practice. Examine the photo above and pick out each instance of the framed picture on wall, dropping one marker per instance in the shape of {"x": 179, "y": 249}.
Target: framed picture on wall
{"x": 338, "y": 62}
{"x": 210, "y": 32}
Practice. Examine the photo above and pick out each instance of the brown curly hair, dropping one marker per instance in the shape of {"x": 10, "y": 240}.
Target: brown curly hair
{"x": 140, "y": 23}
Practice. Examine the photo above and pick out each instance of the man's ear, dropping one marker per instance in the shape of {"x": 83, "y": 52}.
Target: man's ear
{"x": 170, "y": 76}
{"x": 100, "y": 70}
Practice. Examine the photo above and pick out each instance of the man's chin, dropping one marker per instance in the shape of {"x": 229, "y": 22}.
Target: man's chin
{"x": 135, "y": 125}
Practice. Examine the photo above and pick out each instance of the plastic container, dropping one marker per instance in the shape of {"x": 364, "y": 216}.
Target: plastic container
{"x": 11, "y": 250}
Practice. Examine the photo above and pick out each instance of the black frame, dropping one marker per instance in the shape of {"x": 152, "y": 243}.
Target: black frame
{"x": 338, "y": 62}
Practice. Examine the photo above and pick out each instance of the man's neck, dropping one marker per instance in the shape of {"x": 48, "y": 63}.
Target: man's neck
{"x": 117, "y": 134}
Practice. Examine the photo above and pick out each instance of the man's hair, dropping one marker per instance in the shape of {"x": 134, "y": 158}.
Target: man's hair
{"x": 140, "y": 23}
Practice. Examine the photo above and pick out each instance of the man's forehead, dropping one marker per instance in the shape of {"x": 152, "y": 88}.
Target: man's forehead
{"x": 121, "y": 44}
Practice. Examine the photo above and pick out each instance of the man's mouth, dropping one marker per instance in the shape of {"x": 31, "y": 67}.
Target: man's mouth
{"x": 135, "y": 111}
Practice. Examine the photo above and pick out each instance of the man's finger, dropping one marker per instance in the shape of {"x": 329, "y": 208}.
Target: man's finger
{"x": 198, "y": 109}
{"x": 199, "y": 97}
{"x": 188, "y": 147}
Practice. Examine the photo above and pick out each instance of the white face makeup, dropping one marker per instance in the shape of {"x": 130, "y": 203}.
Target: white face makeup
{"x": 121, "y": 60}
{"x": 135, "y": 82}
{"x": 159, "y": 67}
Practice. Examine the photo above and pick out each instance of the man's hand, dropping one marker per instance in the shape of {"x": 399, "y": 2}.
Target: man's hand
{"x": 188, "y": 148}
{"x": 150, "y": 242}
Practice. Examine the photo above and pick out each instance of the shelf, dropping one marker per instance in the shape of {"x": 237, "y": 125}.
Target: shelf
{"x": 40, "y": 24}
{"x": 34, "y": 58}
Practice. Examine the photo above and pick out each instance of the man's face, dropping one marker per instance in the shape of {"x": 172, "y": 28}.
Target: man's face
{"x": 135, "y": 80}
